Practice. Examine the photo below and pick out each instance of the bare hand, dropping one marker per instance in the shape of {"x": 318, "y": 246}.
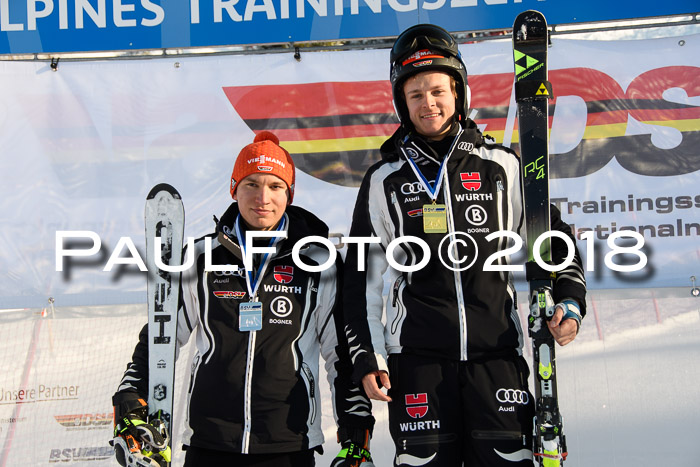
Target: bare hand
{"x": 563, "y": 331}
{"x": 372, "y": 388}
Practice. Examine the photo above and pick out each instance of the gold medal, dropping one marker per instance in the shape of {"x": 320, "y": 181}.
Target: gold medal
{"x": 434, "y": 218}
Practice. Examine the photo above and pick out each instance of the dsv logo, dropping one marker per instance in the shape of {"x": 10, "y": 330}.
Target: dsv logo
{"x": 512, "y": 396}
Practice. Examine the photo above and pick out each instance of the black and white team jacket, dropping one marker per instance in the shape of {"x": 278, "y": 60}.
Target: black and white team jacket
{"x": 258, "y": 392}
{"x": 435, "y": 311}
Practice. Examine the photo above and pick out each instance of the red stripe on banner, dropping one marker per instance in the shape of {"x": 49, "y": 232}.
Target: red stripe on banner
{"x": 669, "y": 115}
{"x": 589, "y": 84}
{"x": 490, "y": 90}
{"x": 333, "y": 108}
{"x": 606, "y": 118}
{"x": 492, "y": 124}
{"x": 310, "y": 99}
{"x": 653, "y": 83}
{"x": 335, "y": 132}
{"x": 595, "y": 86}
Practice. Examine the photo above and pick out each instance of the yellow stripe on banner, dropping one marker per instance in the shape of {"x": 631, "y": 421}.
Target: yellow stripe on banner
{"x": 333, "y": 145}
{"x": 374, "y": 142}
{"x": 681, "y": 125}
{"x": 619, "y": 129}
{"x": 600, "y": 131}
{"x": 605, "y": 131}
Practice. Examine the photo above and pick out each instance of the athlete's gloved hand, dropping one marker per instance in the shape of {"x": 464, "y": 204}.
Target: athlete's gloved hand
{"x": 566, "y": 321}
{"x": 571, "y": 310}
{"x": 354, "y": 449}
{"x": 138, "y": 443}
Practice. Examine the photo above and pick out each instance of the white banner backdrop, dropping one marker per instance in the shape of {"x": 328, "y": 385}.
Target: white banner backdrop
{"x": 81, "y": 147}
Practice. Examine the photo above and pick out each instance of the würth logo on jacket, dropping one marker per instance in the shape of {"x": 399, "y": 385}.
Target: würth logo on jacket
{"x": 283, "y": 274}
{"x": 417, "y": 405}
{"x": 471, "y": 181}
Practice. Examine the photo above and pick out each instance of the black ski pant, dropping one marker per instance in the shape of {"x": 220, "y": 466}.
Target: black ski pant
{"x": 450, "y": 414}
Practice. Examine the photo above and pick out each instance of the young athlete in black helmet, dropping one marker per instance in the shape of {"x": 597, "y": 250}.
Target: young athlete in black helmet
{"x": 449, "y": 348}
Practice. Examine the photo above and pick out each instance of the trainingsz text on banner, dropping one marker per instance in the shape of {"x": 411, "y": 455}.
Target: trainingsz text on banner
{"x": 82, "y": 25}
{"x": 454, "y": 240}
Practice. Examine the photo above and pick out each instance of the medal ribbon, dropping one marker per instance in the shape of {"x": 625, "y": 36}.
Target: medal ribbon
{"x": 432, "y": 192}
{"x": 253, "y": 278}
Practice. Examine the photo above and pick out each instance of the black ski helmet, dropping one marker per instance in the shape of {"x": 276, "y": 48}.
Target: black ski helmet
{"x": 426, "y": 47}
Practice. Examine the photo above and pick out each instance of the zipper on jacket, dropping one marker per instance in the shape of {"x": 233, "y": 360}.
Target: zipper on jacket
{"x": 501, "y": 223}
{"x": 397, "y": 301}
{"x": 247, "y": 394}
{"x": 397, "y": 287}
{"x": 309, "y": 376}
{"x": 204, "y": 320}
{"x": 458, "y": 278}
{"x": 498, "y": 435}
{"x": 398, "y": 230}
{"x": 427, "y": 439}
{"x": 196, "y": 360}
{"x": 399, "y": 218}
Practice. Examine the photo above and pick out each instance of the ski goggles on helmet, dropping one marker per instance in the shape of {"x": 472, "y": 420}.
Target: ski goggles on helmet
{"x": 424, "y": 37}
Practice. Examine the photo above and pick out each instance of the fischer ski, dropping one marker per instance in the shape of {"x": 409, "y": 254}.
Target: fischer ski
{"x": 165, "y": 220}
{"x": 532, "y": 91}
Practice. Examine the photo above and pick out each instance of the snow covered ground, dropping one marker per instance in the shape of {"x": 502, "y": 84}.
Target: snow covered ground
{"x": 629, "y": 385}
{"x": 631, "y": 399}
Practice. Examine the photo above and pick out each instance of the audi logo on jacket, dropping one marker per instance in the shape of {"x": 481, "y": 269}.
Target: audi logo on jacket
{"x": 436, "y": 311}
{"x": 258, "y": 392}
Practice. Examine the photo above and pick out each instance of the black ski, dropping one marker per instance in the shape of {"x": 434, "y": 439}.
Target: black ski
{"x": 532, "y": 91}
{"x": 165, "y": 220}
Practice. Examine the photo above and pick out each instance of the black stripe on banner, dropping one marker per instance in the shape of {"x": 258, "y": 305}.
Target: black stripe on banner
{"x": 296, "y": 123}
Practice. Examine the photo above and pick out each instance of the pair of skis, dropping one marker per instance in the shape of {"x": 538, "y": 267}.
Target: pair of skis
{"x": 532, "y": 91}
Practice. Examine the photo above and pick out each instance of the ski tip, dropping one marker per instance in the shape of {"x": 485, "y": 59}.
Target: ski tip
{"x": 529, "y": 15}
{"x": 529, "y": 25}
{"x": 163, "y": 187}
